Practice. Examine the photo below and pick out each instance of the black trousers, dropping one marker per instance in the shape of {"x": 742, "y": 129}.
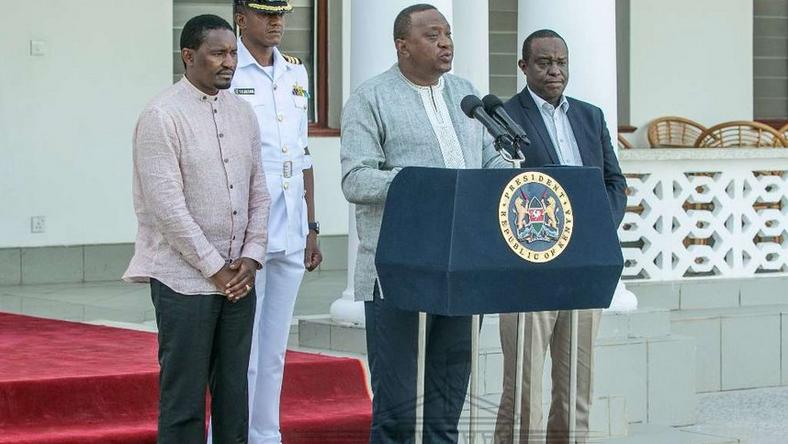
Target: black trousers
{"x": 392, "y": 347}
{"x": 204, "y": 343}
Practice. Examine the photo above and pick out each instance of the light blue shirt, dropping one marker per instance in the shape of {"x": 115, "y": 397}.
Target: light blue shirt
{"x": 279, "y": 96}
{"x": 559, "y": 129}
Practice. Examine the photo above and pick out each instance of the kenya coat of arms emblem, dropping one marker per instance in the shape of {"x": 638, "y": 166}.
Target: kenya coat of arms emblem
{"x": 535, "y": 216}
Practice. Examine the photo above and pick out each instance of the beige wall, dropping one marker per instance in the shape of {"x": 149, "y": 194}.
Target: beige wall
{"x": 331, "y": 208}
{"x": 66, "y": 117}
{"x": 692, "y": 59}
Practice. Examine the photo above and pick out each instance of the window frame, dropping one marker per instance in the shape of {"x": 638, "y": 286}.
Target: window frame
{"x": 320, "y": 128}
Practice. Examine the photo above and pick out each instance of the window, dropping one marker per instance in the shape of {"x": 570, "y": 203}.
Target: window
{"x": 313, "y": 30}
{"x": 622, "y": 64}
{"x": 770, "y": 60}
{"x": 504, "y": 48}
{"x": 505, "y": 51}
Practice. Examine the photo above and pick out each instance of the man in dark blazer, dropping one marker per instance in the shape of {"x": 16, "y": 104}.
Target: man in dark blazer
{"x": 563, "y": 131}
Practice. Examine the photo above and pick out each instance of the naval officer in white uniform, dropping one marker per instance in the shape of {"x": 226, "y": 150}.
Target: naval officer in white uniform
{"x": 277, "y": 87}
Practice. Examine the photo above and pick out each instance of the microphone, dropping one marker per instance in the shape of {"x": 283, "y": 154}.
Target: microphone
{"x": 473, "y": 107}
{"x": 504, "y": 143}
{"x": 494, "y": 107}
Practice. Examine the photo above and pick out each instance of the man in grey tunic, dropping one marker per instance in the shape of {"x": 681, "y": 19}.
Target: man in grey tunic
{"x": 410, "y": 116}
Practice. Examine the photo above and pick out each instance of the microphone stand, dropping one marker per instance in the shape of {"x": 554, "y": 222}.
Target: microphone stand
{"x": 510, "y": 149}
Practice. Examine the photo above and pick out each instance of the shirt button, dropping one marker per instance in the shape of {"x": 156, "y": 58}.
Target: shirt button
{"x": 275, "y": 86}
{"x": 280, "y": 117}
{"x": 233, "y": 237}
{"x": 221, "y": 135}
{"x": 226, "y": 160}
{"x": 284, "y": 148}
{"x": 215, "y": 111}
{"x": 231, "y": 187}
{"x": 235, "y": 213}
{"x": 285, "y": 185}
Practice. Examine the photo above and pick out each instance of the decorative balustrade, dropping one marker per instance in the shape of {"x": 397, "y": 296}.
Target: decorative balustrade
{"x": 705, "y": 213}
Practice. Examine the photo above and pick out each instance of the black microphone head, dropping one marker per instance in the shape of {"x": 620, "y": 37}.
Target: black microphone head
{"x": 491, "y": 102}
{"x": 469, "y": 103}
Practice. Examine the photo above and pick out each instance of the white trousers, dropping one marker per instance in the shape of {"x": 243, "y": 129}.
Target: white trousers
{"x": 277, "y": 287}
{"x": 280, "y": 279}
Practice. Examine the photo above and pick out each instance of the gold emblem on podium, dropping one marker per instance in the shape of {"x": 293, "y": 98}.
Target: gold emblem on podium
{"x": 535, "y": 216}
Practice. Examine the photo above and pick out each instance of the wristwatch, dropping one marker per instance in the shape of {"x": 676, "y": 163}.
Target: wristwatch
{"x": 314, "y": 226}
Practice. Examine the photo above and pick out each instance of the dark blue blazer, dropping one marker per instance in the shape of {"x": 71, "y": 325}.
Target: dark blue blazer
{"x": 593, "y": 140}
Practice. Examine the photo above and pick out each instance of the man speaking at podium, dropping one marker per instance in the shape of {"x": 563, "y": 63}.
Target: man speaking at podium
{"x": 568, "y": 132}
{"x": 410, "y": 116}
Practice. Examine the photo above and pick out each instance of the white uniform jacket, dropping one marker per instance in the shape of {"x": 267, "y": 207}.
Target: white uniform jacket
{"x": 279, "y": 97}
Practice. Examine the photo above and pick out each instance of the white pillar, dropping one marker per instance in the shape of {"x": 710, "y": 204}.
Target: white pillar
{"x": 371, "y": 52}
{"x": 589, "y": 28}
{"x": 471, "y": 32}
{"x": 346, "y": 310}
{"x": 372, "y": 41}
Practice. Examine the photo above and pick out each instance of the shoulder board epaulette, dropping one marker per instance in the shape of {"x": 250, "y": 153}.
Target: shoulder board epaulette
{"x": 292, "y": 60}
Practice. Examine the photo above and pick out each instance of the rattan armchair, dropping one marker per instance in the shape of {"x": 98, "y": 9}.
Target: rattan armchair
{"x": 673, "y": 132}
{"x": 740, "y": 134}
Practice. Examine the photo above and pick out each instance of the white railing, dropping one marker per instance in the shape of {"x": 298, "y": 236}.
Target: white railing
{"x": 705, "y": 212}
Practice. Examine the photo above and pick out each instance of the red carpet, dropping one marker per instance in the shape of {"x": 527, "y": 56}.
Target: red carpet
{"x": 64, "y": 382}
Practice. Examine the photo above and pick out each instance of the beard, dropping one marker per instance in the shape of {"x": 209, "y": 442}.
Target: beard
{"x": 220, "y": 82}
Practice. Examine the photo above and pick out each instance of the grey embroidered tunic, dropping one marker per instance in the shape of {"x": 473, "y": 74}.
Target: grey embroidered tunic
{"x": 389, "y": 123}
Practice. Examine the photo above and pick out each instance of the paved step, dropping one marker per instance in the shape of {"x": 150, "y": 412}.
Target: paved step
{"x": 700, "y": 293}
{"x": 656, "y": 376}
{"x": 658, "y": 434}
{"x": 726, "y": 358}
{"x": 322, "y": 333}
{"x": 608, "y": 418}
{"x": 643, "y": 374}
{"x": 641, "y": 323}
{"x": 149, "y": 326}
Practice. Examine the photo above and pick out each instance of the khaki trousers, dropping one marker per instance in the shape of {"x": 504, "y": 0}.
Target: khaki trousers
{"x": 543, "y": 329}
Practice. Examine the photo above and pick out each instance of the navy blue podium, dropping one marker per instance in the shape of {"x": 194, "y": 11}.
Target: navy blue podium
{"x": 471, "y": 242}
{"x": 441, "y": 249}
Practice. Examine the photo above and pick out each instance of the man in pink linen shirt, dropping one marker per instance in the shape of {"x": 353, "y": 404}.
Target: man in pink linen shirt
{"x": 202, "y": 209}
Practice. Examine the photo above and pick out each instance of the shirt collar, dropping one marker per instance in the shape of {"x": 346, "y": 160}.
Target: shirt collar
{"x": 436, "y": 87}
{"x": 196, "y": 93}
{"x": 245, "y": 58}
{"x": 540, "y": 102}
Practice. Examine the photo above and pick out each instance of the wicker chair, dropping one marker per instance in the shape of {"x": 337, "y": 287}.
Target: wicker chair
{"x": 623, "y": 144}
{"x": 740, "y": 134}
{"x": 673, "y": 132}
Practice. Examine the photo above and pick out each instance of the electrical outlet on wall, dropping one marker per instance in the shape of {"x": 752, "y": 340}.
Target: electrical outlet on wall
{"x": 38, "y": 224}
{"x": 38, "y": 48}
